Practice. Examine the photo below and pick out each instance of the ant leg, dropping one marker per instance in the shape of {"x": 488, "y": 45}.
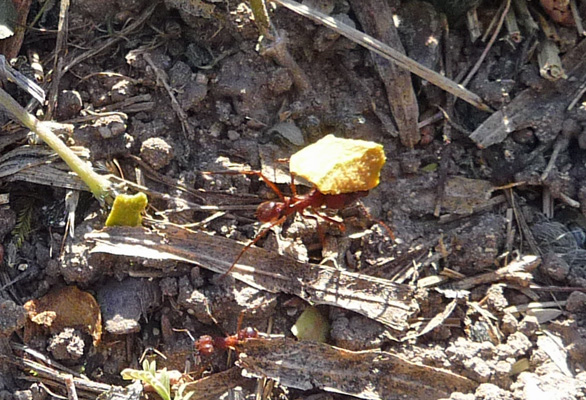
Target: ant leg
{"x": 260, "y": 235}
{"x": 340, "y": 225}
{"x": 293, "y": 188}
{"x": 378, "y": 221}
{"x": 320, "y": 231}
{"x": 257, "y": 173}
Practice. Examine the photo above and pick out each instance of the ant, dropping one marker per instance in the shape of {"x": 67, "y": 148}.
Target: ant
{"x": 276, "y": 212}
{"x": 206, "y": 345}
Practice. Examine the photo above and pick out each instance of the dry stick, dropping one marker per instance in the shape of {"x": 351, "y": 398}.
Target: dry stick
{"x": 560, "y": 145}
{"x": 398, "y": 83}
{"x": 550, "y": 63}
{"x": 489, "y": 44}
{"x": 577, "y": 18}
{"x": 518, "y": 271}
{"x": 70, "y": 386}
{"x": 473, "y": 24}
{"x": 525, "y": 16}
{"x": 60, "y": 49}
{"x": 261, "y": 16}
{"x": 162, "y": 78}
{"x": 524, "y": 229}
{"x": 512, "y": 26}
{"x": 44, "y": 371}
{"x": 387, "y": 52}
{"x": 278, "y": 51}
{"x": 580, "y": 92}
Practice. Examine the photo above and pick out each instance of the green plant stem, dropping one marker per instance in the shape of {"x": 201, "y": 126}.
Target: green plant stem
{"x": 99, "y": 185}
{"x": 261, "y": 16}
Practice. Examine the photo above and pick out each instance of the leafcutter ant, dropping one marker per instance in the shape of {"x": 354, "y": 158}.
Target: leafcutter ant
{"x": 207, "y": 345}
{"x": 275, "y": 212}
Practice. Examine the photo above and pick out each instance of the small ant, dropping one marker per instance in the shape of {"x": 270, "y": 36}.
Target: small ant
{"x": 276, "y": 212}
{"x": 206, "y": 345}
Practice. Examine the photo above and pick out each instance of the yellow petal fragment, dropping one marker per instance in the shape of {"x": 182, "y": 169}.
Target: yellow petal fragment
{"x": 335, "y": 165}
{"x": 127, "y": 210}
{"x": 311, "y": 325}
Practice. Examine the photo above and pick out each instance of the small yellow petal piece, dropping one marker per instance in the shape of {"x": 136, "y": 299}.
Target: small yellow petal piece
{"x": 335, "y": 165}
{"x": 311, "y": 325}
{"x": 127, "y": 210}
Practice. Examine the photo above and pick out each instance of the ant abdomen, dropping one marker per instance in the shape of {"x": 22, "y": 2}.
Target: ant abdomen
{"x": 205, "y": 345}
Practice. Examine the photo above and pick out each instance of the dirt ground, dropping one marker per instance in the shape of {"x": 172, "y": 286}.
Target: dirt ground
{"x": 482, "y": 232}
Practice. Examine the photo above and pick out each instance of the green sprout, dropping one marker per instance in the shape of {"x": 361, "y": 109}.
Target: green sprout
{"x": 158, "y": 380}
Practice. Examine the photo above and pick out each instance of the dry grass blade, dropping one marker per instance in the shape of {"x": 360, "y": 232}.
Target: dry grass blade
{"x": 380, "y": 299}
{"x": 387, "y": 52}
{"x": 398, "y": 83}
{"x": 215, "y": 385}
{"x": 60, "y": 49}
{"x": 369, "y": 374}
{"x": 47, "y": 372}
{"x": 40, "y": 165}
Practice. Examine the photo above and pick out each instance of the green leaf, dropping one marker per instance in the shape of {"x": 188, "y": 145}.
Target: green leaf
{"x": 161, "y": 383}
{"x": 7, "y": 18}
{"x": 429, "y": 167}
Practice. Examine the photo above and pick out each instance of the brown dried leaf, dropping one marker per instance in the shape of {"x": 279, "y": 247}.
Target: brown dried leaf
{"x": 371, "y": 374}
{"x": 559, "y": 11}
{"x": 63, "y": 308}
{"x": 213, "y": 386}
{"x": 390, "y": 303}
{"x": 462, "y": 195}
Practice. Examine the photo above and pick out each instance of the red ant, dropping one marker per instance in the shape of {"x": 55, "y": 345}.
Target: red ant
{"x": 276, "y": 212}
{"x": 206, "y": 345}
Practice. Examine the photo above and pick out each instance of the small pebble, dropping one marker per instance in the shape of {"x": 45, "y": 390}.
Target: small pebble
{"x": 524, "y": 136}
{"x": 69, "y": 104}
{"x": 554, "y": 267}
{"x": 529, "y": 325}
{"x": 570, "y": 127}
{"x": 509, "y": 323}
{"x": 156, "y": 152}
{"x": 582, "y": 140}
{"x": 12, "y": 317}
{"x": 233, "y": 135}
{"x": 576, "y": 302}
{"x": 67, "y": 345}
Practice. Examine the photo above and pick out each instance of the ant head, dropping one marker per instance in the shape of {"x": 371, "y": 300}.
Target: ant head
{"x": 247, "y": 333}
{"x": 269, "y": 211}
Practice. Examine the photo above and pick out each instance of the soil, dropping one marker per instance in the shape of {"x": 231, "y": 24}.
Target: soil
{"x": 192, "y": 89}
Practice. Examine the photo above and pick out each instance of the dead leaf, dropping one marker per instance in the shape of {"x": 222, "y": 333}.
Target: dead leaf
{"x": 380, "y": 299}
{"x": 559, "y": 11}
{"x": 462, "y": 195}
{"x": 63, "y": 308}
{"x": 371, "y": 374}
